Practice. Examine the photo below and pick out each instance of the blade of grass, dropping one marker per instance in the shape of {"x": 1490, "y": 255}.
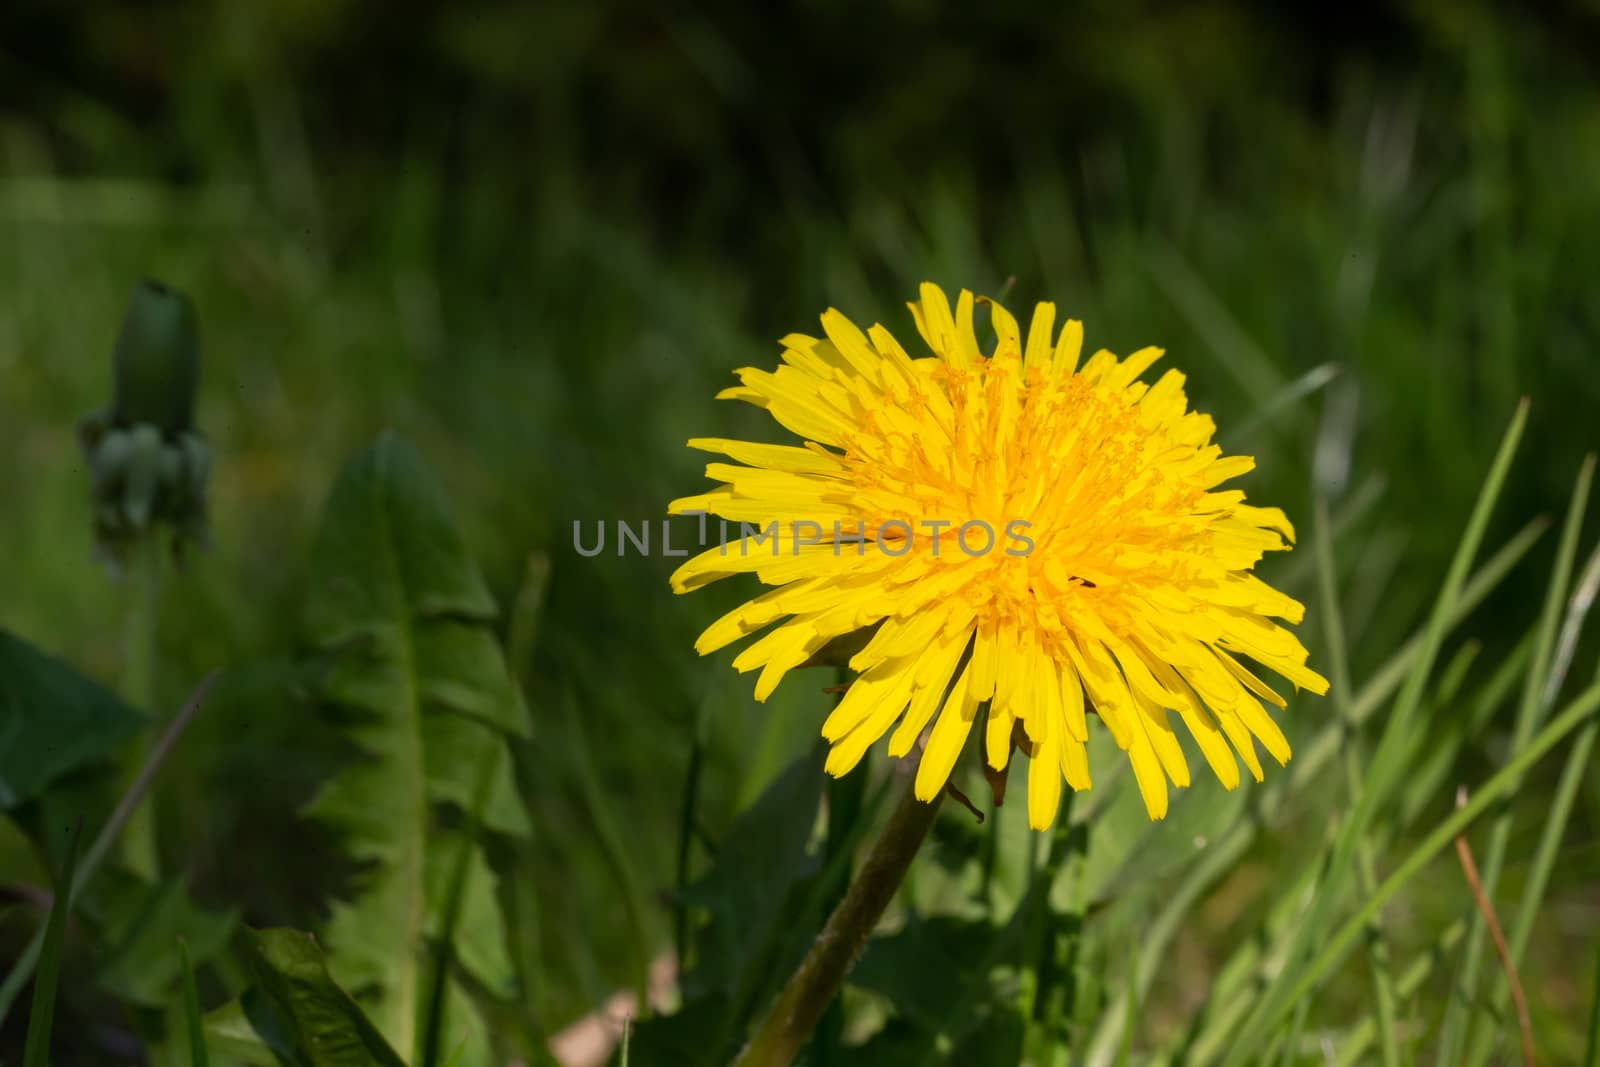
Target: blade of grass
{"x": 36, "y": 1053}
{"x": 612, "y": 847}
{"x": 1356, "y": 1042}
{"x": 1384, "y": 771}
{"x": 191, "y": 1010}
{"x": 686, "y": 822}
{"x": 1256, "y": 372}
{"x": 1387, "y": 678}
{"x": 1591, "y": 1050}
{"x": 1366, "y": 869}
{"x": 526, "y": 612}
{"x": 1458, "y": 1018}
{"x": 1486, "y": 909}
{"x": 1290, "y": 1039}
{"x": 1131, "y": 991}
{"x": 22, "y": 970}
{"x": 1221, "y": 853}
{"x": 1559, "y": 812}
{"x": 1248, "y": 972}
{"x": 1334, "y": 948}
{"x": 1262, "y": 955}
{"x": 1444, "y": 732}
{"x": 1214, "y": 861}
{"x": 1287, "y": 398}
{"x": 520, "y": 894}
{"x": 1297, "y": 570}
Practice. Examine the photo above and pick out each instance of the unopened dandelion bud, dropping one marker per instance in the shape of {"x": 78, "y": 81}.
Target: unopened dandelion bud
{"x": 143, "y": 475}
{"x": 109, "y": 460}
{"x": 196, "y": 467}
{"x": 148, "y": 466}
{"x": 157, "y": 361}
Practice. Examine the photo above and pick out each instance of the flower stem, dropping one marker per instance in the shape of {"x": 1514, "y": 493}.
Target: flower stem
{"x": 139, "y": 849}
{"x": 794, "y": 1015}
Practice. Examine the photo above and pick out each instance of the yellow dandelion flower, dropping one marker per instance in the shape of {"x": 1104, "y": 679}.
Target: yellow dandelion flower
{"x": 1032, "y": 538}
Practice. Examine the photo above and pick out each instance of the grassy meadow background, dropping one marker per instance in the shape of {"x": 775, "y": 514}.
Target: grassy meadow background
{"x": 536, "y": 239}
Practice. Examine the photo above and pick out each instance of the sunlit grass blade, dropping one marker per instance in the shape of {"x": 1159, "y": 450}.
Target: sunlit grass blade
{"x": 1241, "y": 980}
{"x": 1131, "y": 991}
{"x": 36, "y": 1053}
{"x": 1464, "y": 990}
{"x": 1287, "y": 398}
{"x": 1220, "y": 855}
{"x": 1288, "y": 1043}
{"x": 193, "y": 1019}
{"x": 1354, "y": 1045}
{"x": 1334, "y": 948}
{"x": 1366, "y": 870}
{"x": 1388, "y": 678}
{"x": 1384, "y": 770}
{"x": 1433, "y": 753}
{"x": 1591, "y": 1048}
{"x": 1556, "y": 816}
{"x": 1354, "y": 508}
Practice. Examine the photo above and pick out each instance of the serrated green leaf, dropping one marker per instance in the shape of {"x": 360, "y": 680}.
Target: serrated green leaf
{"x": 325, "y": 1025}
{"x": 923, "y": 969}
{"x": 456, "y": 747}
{"x": 759, "y": 862}
{"x": 486, "y": 958}
{"x": 52, "y": 720}
{"x": 416, "y": 680}
{"x": 995, "y": 1040}
{"x": 757, "y": 923}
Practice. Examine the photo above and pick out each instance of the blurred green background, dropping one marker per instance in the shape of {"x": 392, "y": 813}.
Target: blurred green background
{"x": 537, "y": 238}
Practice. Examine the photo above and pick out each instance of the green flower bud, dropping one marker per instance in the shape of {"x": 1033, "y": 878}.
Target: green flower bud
{"x": 196, "y": 470}
{"x": 143, "y": 475}
{"x": 157, "y": 361}
{"x": 107, "y": 461}
{"x": 147, "y": 465}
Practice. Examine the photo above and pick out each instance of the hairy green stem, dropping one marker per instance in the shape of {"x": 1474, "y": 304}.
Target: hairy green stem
{"x": 792, "y": 1018}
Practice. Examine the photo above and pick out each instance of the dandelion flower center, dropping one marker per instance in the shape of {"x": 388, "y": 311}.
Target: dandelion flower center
{"x": 1033, "y": 540}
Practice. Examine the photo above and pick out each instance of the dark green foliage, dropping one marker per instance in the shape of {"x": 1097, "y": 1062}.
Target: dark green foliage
{"x": 138, "y": 923}
{"x": 755, "y": 922}
{"x": 53, "y": 720}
